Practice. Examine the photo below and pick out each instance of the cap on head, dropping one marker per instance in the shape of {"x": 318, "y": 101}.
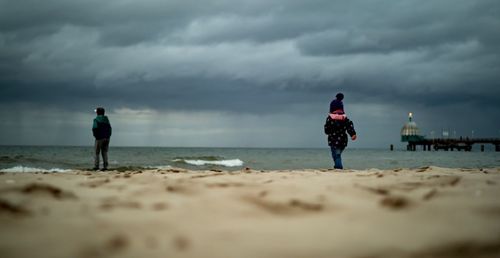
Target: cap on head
{"x": 339, "y": 96}
{"x": 99, "y": 110}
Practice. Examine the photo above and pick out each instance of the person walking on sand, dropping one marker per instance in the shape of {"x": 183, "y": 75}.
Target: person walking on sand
{"x": 336, "y": 126}
{"x": 102, "y": 133}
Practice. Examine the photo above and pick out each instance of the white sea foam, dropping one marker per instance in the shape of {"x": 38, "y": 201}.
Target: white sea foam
{"x": 30, "y": 169}
{"x": 199, "y": 162}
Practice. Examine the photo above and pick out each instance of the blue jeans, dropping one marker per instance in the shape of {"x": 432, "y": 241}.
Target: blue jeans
{"x": 337, "y": 158}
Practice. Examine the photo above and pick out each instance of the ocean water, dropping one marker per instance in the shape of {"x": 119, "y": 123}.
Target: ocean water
{"x": 60, "y": 159}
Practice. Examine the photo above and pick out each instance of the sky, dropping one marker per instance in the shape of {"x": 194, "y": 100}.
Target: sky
{"x": 246, "y": 73}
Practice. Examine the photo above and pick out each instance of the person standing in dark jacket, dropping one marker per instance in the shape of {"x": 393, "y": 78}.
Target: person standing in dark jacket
{"x": 102, "y": 133}
{"x": 336, "y": 126}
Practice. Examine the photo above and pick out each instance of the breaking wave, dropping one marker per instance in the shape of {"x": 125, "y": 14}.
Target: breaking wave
{"x": 31, "y": 169}
{"x": 201, "y": 162}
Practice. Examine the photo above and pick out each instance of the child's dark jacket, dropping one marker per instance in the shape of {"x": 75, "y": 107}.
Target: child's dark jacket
{"x": 336, "y": 126}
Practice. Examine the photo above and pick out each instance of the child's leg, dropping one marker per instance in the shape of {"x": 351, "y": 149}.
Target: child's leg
{"x": 338, "y": 159}
{"x": 336, "y": 155}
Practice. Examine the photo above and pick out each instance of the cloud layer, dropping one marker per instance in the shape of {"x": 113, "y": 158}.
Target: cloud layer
{"x": 265, "y": 64}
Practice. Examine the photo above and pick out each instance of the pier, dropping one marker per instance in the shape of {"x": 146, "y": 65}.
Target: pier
{"x": 410, "y": 134}
{"x": 451, "y": 144}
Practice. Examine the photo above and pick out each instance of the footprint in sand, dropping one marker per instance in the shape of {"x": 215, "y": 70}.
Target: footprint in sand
{"x": 34, "y": 189}
{"x": 429, "y": 182}
{"x": 95, "y": 183}
{"x": 225, "y": 184}
{"x": 177, "y": 170}
{"x": 13, "y": 209}
{"x": 110, "y": 205}
{"x": 423, "y": 169}
{"x": 121, "y": 176}
{"x": 263, "y": 193}
{"x": 438, "y": 180}
{"x": 490, "y": 182}
{"x": 181, "y": 243}
{"x": 208, "y": 175}
{"x": 462, "y": 249}
{"x": 117, "y": 242}
{"x": 111, "y": 246}
{"x": 180, "y": 188}
{"x": 284, "y": 208}
{"x": 159, "y": 206}
{"x": 429, "y": 195}
{"x": 39, "y": 188}
{"x": 377, "y": 190}
{"x": 395, "y": 202}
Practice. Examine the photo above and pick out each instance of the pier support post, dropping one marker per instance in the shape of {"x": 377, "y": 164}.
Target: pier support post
{"x": 497, "y": 147}
{"x": 482, "y": 148}
{"x": 392, "y": 147}
{"x": 411, "y": 147}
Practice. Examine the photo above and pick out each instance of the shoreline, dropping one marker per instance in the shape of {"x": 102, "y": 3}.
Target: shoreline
{"x": 424, "y": 212}
{"x": 49, "y": 158}
{"x": 215, "y": 168}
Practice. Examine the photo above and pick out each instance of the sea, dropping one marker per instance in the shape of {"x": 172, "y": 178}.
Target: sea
{"x": 64, "y": 158}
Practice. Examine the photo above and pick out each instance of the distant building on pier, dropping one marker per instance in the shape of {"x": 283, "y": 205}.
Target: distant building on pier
{"x": 411, "y": 134}
{"x": 410, "y": 131}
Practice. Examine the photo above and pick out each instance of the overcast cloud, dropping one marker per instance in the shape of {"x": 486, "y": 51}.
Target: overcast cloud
{"x": 246, "y": 73}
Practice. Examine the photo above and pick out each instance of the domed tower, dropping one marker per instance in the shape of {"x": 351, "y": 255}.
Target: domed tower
{"x": 410, "y": 131}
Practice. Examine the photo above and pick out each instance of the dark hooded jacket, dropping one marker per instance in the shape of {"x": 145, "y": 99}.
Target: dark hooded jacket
{"x": 336, "y": 126}
{"x": 101, "y": 128}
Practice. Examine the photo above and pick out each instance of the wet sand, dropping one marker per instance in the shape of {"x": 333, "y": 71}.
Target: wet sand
{"x": 426, "y": 212}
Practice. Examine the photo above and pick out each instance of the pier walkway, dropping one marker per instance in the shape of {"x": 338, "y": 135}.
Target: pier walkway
{"x": 450, "y": 144}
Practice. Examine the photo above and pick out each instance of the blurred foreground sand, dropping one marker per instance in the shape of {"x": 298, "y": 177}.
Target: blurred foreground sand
{"x": 427, "y": 212}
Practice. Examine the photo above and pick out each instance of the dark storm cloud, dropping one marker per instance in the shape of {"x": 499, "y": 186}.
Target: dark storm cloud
{"x": 406, "y": 26}
{"x": 252, "y": 57}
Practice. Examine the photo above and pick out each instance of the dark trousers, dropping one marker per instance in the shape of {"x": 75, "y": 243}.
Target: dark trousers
{"x": 101, "y": 147}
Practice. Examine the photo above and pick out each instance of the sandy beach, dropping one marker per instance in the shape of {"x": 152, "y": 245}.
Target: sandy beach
{"x": 426, "y": 212}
